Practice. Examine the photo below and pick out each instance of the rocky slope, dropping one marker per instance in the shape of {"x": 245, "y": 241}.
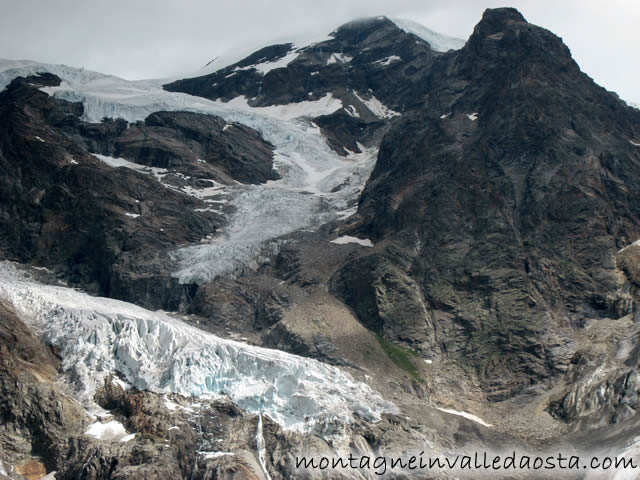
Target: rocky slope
{"x": 501, "y": 203}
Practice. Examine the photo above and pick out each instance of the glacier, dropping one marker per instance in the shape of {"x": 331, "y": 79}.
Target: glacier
{"x": 157, "y": 352}
{"x": 154, "y": 351}
{"x": 305, "y": 196}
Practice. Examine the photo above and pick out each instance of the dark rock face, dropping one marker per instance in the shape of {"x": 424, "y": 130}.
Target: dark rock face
{"x": 193, "y": 144}
{"x": 502, "y": 201}
{"x": 600, "y": 387}
{"x": 37, "y": 417}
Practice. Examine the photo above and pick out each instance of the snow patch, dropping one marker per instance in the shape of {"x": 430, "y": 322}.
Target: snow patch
{"x": 159, "y": 173}
{"x": 39, "y": 139}
{"x": 266, "y": 67}
{"x": 445, "y": 115}
{"x": 121, "y": 162}
{"x": 351, "y": 110}
{"x": 132, "y": 215}
{"x": 635, "y": 144}
{"x": 466, "y": 415}
{"x": 112, "y": 431}
{"x": 262, "y": 450}
{"x": 376, "y": 107}
{"x": 472, "y": 116}
{"x": 120, "y": 383}
{"x": 389, "y": 60}
{"x": 636, "y": 243}
{"x": 365, "y": 242}
{"x": 237, "y": 53}
{"x": 212, "y": 455}
{"x": 339, "y": 57}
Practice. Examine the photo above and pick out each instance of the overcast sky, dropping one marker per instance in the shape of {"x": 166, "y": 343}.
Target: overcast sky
{"x": 161, "y": 38}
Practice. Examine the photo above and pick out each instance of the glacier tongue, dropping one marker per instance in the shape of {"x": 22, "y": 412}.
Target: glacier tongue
{"x": 154, "y": 351}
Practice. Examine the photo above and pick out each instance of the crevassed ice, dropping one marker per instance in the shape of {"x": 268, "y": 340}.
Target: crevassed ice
{"x": 310, "y": 170}
{"x": 157, "y": 352}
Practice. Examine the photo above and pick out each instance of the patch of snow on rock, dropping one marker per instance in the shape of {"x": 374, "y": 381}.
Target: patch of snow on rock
{"x": 339, "y": 57}
{"x": 365, "y": 242}
{"x": 112, "y": 431}
{"x": 266, "y": 67}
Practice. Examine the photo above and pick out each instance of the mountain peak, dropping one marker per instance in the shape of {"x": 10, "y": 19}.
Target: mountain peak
{"x": 502, "y": 15}
{"x": 498, "y": 20}
{"x": 504, "y": 33}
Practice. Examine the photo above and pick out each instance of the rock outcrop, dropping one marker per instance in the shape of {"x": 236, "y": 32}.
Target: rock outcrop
{"x": 501, "y": 201}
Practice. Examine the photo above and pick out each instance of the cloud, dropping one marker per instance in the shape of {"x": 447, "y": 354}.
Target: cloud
{"x": 144, "y": 38}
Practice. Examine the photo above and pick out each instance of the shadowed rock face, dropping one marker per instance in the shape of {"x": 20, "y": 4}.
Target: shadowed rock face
{"x": 200, "y": 146}
{"x": 503, "y": 199}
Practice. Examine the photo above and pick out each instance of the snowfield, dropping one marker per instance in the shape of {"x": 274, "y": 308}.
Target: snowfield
{"x": 156, "y": 352}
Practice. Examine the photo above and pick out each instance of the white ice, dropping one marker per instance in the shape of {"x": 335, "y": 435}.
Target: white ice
{"x": 365, "y": 242}
{"x": 154, "y": 351}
